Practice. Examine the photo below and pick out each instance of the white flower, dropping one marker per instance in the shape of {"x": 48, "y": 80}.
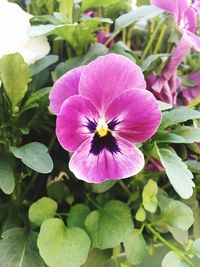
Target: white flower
{"x": 14, "y": 27}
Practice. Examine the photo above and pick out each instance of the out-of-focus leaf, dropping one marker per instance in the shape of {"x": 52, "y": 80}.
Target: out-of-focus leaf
{"x": 62, "y": 246}
{"x": 179, "y": 175}
{"x": 15, "y": 75}
{"x": 35, "y": 155}
{"x": 109, "y": 226}
{"x": 44, "y": 208}
{"x": 135, "y": 247}
{"x": 141, "y": 13}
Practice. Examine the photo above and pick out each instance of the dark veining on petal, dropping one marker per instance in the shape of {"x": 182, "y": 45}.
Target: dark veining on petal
{"x": 112, "y": 124}
{"x": 107, "y": 142}
{"x": 91, "y": 125}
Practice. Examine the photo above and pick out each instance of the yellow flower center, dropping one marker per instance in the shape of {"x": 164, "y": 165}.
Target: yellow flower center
{"x": 102, "y": 128}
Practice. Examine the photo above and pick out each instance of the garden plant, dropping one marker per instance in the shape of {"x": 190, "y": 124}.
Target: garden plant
{"x": 99, "y": 133}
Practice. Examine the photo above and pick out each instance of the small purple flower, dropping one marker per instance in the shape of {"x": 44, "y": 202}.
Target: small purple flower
{"x": 189, "y": 94}
{"x": 102, "y": 109}
{"x": 186, "y": 17}
{"x": 103, "y": 36}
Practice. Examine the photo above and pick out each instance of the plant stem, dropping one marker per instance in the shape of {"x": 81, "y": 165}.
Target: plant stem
{"x": 169, "y": 245}
{"x": 149, "y": 44}
{"x": 112, "y": 37}
{"x": 160, "y": 40}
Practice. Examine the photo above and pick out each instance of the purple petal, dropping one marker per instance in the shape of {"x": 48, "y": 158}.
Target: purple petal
{"x": 190, "y": 94}
{"x": 107, "y": 76}
{"x": 178, "y": 55}
{"x": 106, "y": 166}
{"x": 170, "y": 6}
{"x": 73, "y": 122}
{"x": 137, "y": 113}
{"x": 189, "y": 20}
{"x": 193, "y": 39}
{"x": 64, "y": 87}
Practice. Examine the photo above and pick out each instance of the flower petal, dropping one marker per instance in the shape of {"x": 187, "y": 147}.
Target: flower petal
{"x": 138, "y": 114}
{"x": 64, "y": 87}
{"x": 189, "y": 94}
{"x": 35, "y": 49}
{"x": 106, "y": 166}
{"x": 193, "y": 39}
{"x": 178, "y": 55}
{"x": 107, "y": 76}
{"x": 71, "y": 122}
{"x": 170, "y": 6}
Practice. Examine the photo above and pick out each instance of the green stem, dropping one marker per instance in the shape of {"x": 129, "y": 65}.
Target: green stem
{"x": 160, "y": 39}
{"x": 169, "y": 245}
{"x": 112, "y": 37}
{"x": 124, "y": 36}
{"x": 149, "y": 44}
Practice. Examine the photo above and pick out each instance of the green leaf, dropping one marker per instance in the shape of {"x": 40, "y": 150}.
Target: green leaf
{"x": 15, "y": 76}
{"x": 66, "y": 7}
{"x": 62, "y": 246}
{"x": 193, "y": 165}
{"x": 103, "y": 187}
{"x": 178, "y": 215}
{"x": 195, "y": 248}
{"x": 178, "y": 115}
{"x": 179, "y": 235}
{"x": 94, "y": 51}
{"x": 35, "y": 98}
{"x": 43, "y": 63}
{"x": 79, "y": 36}
{"x": 42, "y": 209}
{"x": 77, "y": 215}
{"x": 58, "y": 190}
{"x": 35, "y": 155}
{"x": 179, "y": 175}
{"x": 173, "y": 260}
{"x": 87, "y": 4}
{"x": 18, "y": 249}
{"x": 150, "y": 201}
{"x": 141, "y": 13}
{"x": 148, "y": 63}
{"x": 97, "y": 258}
{"x": 7, "y": 179}
{"x": 166, "y": 137}
{"x": 164, "y": 106}
{"x": 189, "y": 134}
{"x": 135, "y": 247}
{"x": 140, "y": 215}
{"x": 109, "y": 226}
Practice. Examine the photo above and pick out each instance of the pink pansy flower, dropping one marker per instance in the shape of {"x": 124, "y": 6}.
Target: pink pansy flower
{"x": 189, "y": 94}
{"x": 102, "y": 110}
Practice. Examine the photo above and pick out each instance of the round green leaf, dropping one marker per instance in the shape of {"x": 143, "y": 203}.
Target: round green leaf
{"x": 135, "y": 247}
{"x": 178, "y": 215}
{"x": 62, "y": 246}
{"x": 173, "y": 260}
{"x": 34, "y": 155}
{"x": 44, "y": 208}
{"x": 77, "y": 215}
{"x": 195, "y": 248}
{"x": 109, "y": 226}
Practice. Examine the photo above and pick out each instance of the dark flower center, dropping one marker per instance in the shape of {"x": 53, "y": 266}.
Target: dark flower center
{"x": 103, "y": 138}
